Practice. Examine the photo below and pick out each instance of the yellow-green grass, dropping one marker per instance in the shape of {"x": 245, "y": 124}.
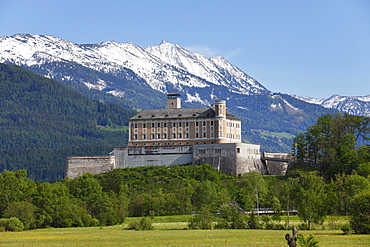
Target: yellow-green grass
{"x": 162, "y": 236}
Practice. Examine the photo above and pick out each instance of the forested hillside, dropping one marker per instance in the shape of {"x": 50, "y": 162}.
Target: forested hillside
{"x": 42, "y": 122}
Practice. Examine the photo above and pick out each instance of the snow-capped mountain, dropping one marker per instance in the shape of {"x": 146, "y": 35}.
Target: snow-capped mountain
{"x": 163, "y": 67}
{"x": 136, "y": 77}
{"x": 356, "y": 105}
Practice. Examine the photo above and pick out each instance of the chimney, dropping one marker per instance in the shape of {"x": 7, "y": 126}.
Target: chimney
{"x": 173, "y": 100}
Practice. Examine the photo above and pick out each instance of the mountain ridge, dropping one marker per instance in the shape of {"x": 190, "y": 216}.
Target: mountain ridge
{"x": 139, "y": 78}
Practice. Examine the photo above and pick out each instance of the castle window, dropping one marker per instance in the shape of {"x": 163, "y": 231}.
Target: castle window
{"x": 180, "y": 124}
{"x": 152, "y": 136}
{"x": 144, "y": 136}
{"x": 174, "y": 135}
{"x": 164, "y": 136}
{"x": 135, "y": 125}
{"x": 187, "y": 124}
{"x": 204, "y": 123}
{"x": 144, "y": 125}
{"x": 135, "y": 137}
{"x": 211, "y": 123}
{"x": 204, "y": 134}
{"x": 174, "y": 124}
{"x": 152, "y": 125}
{"x": 158, "y": 136}
{"x": 196, "y": 135}
{"x": 164, "y": 125}
{"x": 196, "y": 123}
{"x": 238, "y": 150}
{"x": 187, "y": 135}
{"x": 180, "y": 135}
{"x": 159, "y": 125}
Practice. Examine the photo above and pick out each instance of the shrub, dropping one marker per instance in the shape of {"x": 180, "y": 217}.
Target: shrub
{"x": 144, "y": 224}
{"x": 201, "y": 221}
{"x": 307, "y": 242}
{"x": 253, "y": 221}
{"x": 134, "y": 225}
{"x": 94, "y": 222}
{"x": 346, "y": 228}
{"x": 13, "y": 224}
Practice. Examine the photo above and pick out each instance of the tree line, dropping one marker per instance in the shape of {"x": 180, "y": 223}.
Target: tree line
{"x": 107, "y": 199}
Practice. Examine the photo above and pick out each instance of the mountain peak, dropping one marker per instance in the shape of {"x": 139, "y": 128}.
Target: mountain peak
{"x": 164, "y": 42}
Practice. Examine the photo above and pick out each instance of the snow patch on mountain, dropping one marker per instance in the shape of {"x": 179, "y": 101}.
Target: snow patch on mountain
{"x": 117, "y": 93}
{"x": 196, "y": 99}
{"x": 356, "y": 105}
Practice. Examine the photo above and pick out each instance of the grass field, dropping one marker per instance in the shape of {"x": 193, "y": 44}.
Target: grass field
{"x": 169, "y": 234}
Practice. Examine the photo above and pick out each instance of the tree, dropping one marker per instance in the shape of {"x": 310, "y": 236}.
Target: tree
{"x": 231, "y": 218}
{"x": 24, "y": 211}
{"x": 205, "y": 195}
{"x": 288, "y": 196}
{"x": 254, "y": 189}
{"x": 311, "y": 200}
{"x": 15, "y": 187}
{"x": 360, "y": 213}
{"x": 332, "y": 143}
{"x": 203, "y": 220}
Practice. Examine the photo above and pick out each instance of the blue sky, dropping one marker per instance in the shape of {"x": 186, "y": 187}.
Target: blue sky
{"x": 313, "y": 48}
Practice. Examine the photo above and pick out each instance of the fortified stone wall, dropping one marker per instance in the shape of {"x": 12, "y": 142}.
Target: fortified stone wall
{"x": 134, "y": 156}
{"x": 230, "y": 158}
{"x": 76, "y": 166}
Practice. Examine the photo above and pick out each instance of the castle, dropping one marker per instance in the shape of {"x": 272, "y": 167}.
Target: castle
{"x": 176, "y": 136}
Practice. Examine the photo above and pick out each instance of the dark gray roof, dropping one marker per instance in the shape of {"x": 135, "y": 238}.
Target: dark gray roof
{"x": 179, "y": 113}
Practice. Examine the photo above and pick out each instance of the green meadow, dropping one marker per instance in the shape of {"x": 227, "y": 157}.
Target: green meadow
{"x": 167, "y": 233}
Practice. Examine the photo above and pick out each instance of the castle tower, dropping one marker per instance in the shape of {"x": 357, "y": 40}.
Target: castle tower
{"x": 173, "y": 100}
{"x": 220, "y": 108}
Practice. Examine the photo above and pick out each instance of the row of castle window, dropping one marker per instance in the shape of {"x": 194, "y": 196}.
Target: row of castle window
{"x": 216, "y": 151}
{"x": 173, "y": 143}
{"x": 231, "y": 124}
{"x": 179, "y": 124}
{"x": 174, "y": 135}
{"x": 232, "y": 136}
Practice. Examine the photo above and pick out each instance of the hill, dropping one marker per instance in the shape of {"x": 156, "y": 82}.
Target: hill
{"x": 42, "y": 122}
